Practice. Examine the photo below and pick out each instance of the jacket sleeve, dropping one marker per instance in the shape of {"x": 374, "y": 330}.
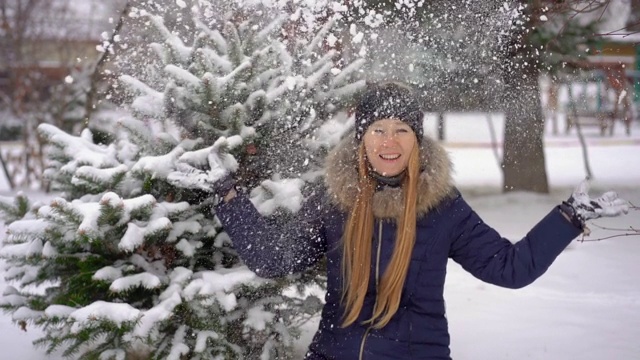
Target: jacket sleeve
{"x": 491, "y": 258}
{"x": 271, "y": 250}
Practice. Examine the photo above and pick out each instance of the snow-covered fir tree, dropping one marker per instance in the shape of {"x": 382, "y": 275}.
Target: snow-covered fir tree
{"x": 126, "y": 262}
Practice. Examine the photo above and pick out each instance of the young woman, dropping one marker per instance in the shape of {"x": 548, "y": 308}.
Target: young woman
{"x": 388, "y": 220}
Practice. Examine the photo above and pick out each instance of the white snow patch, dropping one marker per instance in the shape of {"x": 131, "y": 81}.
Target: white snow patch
{"x": 102, "y": 310}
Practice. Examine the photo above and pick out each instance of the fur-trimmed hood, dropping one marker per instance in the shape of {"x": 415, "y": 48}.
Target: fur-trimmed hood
{"x": 435, "y": 185}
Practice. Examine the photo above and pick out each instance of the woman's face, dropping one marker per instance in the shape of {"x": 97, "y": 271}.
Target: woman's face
{"x": 388, "y": 144}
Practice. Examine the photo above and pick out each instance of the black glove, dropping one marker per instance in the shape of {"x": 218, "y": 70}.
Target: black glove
{"x": 582, "y": 208}
{"x": 189, "y": 177}
{"x": 217, "y": 180}
{"x": 200, "y": 187}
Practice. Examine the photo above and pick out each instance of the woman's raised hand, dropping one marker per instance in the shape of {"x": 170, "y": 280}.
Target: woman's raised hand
{"x": 191, "y": 173}
{"x": 586, "y": 208}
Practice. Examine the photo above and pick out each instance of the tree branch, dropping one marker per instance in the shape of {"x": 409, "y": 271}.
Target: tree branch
{"x": 614, "y": 32}
{"x": 608, "y": 237}
{"x": 631, "y": 231}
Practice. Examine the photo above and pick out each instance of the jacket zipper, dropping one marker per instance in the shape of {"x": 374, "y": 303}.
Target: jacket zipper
{"x": 366, "y": 333}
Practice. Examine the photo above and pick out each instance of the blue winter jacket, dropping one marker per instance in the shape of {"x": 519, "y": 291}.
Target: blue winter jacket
{"x": 446, "y": 228}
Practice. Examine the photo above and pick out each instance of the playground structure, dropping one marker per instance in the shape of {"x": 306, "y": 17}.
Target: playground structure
{"x": 604, "y": 88}
{"x": 599, "y": 94}
{"x": 613, "y": 97}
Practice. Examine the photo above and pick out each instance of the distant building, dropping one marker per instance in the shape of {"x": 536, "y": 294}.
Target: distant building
{"x": 40, "y": 50}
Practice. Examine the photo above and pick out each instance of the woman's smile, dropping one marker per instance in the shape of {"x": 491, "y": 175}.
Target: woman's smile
{"x": 390, "y": 157}
{"x": 388, "y": 143}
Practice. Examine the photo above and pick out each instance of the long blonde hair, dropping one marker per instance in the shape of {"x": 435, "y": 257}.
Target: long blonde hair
{"x": 358, "y": 236}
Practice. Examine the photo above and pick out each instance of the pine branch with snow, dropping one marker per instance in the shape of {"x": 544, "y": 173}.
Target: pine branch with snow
{"x": 12, "y": 209}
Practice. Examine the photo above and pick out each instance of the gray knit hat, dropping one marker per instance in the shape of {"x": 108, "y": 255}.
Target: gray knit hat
{"x": 388, "y": 100}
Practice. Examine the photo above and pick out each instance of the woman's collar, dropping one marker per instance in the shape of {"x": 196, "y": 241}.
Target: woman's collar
{"x": 387, "y": 181}
{"x": 435, "y": 182}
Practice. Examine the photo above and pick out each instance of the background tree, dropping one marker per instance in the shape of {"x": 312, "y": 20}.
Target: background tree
{"x": 548, "y": 38}
{"x": 523, "y": 161}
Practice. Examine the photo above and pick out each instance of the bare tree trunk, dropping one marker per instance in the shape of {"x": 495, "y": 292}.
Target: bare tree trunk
{"x": 523, "y": 157}
{"x": 523, "y": 163}
{"x": 494, "y": 140}
{"x": 583, "y": 144}
{"x": 6, "y": 171}
{"x": 95, "y": 75}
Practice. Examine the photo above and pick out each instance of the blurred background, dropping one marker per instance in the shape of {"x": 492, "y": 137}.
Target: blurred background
{"x": 566, "y": 64}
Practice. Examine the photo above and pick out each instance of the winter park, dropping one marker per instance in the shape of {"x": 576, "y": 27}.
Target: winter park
{"x": 192, "y": 179}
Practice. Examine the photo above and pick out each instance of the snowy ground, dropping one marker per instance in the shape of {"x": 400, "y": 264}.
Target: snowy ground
{"x": 587, "y": 306}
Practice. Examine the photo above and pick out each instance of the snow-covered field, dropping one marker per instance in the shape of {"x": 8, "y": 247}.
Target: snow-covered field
{"x": 586, "y": 307}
